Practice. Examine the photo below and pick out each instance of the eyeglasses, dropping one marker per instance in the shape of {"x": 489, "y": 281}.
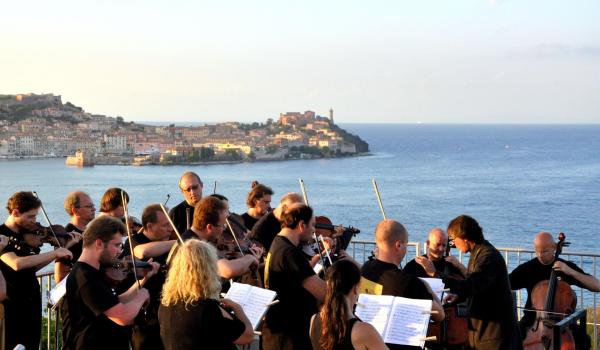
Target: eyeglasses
{"x": 191, "y": 188}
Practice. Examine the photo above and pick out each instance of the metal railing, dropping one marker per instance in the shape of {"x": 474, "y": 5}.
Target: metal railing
{"x": 360, "y": 251}
{"x": 588, "y": 262}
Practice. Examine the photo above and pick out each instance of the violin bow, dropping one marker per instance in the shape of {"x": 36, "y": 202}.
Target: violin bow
{"x": 378, "y": 195}
{"x": 172, "y": 224}
{"x": 47, "y": 219}
{"x": 215, "y": 188}
{"x": 167, "y": 200}
{"x": 125, "y": 209}
{"x": 303, "y": 189}
{"x": 233, "y": 235}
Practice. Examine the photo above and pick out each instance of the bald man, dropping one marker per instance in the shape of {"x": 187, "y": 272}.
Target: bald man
{"x": 434, "y": 260}
{"x": 182, "y": 214}
{"x": 392, "y": 239}
{"x": 538, "y": 269}
{"x": 267, "y": 227}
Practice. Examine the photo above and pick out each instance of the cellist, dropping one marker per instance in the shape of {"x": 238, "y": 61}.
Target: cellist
{"x": 530, "y": 273}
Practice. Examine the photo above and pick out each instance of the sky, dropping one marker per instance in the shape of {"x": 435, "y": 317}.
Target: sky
{"x": 446, "y": 61}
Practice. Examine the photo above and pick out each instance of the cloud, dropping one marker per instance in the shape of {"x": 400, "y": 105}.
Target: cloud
{"x": 556, "y": 50}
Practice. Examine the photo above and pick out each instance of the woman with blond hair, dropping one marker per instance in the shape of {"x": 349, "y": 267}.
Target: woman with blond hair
{"x": 191, "y": 316}
{"x": 336, "y": 327}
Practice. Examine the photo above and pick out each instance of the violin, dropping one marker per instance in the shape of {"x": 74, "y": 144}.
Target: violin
{"x": 121, "y": 269}
{"x": 44, "y": 234}
{"x": 340, "y": 236}
{"x": 551, "y": 299}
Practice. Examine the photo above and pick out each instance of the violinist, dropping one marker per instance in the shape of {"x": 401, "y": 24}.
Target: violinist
{"x": 81, "y": 209}
{"x": 209, "y": 223}
{"x": 111, "y": 203}
{"x": 94, "y": 316}
{"x": 435, "y": 260}
{"x": 152, "y": 243}
{"x": 258, "y": 202}
{"x": 530, "y": 273}
{"x": 182, "y": 214}
{"x": 265, "y": 230}
{"x": 492, "y": 322}
{"x": 20, "y": 261}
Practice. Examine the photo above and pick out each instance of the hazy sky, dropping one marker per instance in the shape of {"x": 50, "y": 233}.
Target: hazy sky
{"x": 385, "y": 61}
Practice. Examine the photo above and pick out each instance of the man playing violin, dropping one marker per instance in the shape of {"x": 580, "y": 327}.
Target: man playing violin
{"x": 435, "y": 259}
{"x": 81, "y": 209}
{"x": 151, "y": 243}
{"x": 530, "y": 273}
{"x": 94, "y": 316}
{"x": 182, "y": 214}
{"x": 19, "y": 262}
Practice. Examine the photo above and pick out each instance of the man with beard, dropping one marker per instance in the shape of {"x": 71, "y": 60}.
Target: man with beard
{"x": 183, "y": 213}
{"x": 434, "y": 260}
{"x": 299, "y": 289}
{"x": 81, "y": 209}
{"x": 20, "y": 261}
{"x": 94, "y": 317}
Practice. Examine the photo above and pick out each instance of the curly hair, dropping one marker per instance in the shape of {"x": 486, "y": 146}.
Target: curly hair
{"x": 193, "y": 275}
{"x": 257, "y": 192}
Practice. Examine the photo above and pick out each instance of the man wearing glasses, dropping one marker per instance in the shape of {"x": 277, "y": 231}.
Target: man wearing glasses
{"x": 81, "y": 209}
{"x": 530, "y": 273}
{"x": 183, "y": 213}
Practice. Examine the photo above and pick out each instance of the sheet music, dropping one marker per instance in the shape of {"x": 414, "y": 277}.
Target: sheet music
{"x": 56, "y": 293}
{"x": 436, "y": 285}
{"x": 408, "y": 323}
{"x": 253, "y": 300}
{"x": 375, "y": 309}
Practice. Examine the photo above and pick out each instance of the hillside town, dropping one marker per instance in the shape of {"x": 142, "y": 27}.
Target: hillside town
{"x": 43, "y": 126}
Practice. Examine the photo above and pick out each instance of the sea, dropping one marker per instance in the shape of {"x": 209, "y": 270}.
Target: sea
{"x": 516, "y": 180}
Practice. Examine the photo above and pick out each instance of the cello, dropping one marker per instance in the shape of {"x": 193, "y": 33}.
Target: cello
{"x": 552, "y": 299}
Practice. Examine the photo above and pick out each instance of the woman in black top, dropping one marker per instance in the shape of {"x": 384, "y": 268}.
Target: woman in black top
{"x": 336, "y": 327}
{"x": 190, "y": 314}
{"x": 258, "y": 202}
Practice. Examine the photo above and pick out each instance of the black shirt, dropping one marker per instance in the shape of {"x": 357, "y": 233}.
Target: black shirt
{"x": 530, "y": 273}
{"x": 77, "y": 248}
{"x": 285, "y": 271}
{"x": 84, "y": 322}
{"x": 179, "y": 216}
{"x": 198, "y": 326}
{"x": 414, "y": 268}
{"x": 395, "y": 282}
{"x": 265, "y": 230}
{"x": 249, "y": 221}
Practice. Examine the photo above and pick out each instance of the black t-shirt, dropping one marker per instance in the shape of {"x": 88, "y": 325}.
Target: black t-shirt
{"x": 413, "y": 268}
{"x": 179, "y": 215}
{"x": 265, "y": 230}
{"x": 84, "y": 323}
{"x": 198, "y": 326}
{"x": 285, "y": 271}
{"x": 249, "y": 221}
{"x": 530, "y": 273}
{"x": 21, "y": 285}
{"x": 77, "y": 248}
{"x": 395, "y": 282}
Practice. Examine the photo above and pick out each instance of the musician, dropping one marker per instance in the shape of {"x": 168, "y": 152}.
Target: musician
{"x": 258, "y": 202}
{"x": 81, "y": 209}
{"x": 392, "y": 238}
{"x": 3, "y": 244}
{"x": 530, "y": 273}
{"x": 152, "y": 243}
{"x": 336, "y": 326}
{"x": 94, "y": 316}
{"x": 492, "y": 322}
{"x": 183, "y": 213}
{"x": 111, "y": 203}
{"x": 19, "y": 262}
{"x": 299, "y": 289}
{"x": 191, "y": 315}
{"x": 267, "y": 227}
{"x": 209, "y": 223}
{"x": 435, "y": 260}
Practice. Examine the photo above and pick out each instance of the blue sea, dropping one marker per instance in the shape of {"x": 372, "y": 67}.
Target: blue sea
{"x": 514, "y": 179}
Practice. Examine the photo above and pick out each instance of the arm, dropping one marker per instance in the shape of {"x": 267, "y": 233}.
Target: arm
{"x": 588, "y": 282}
{"x": 453, "y": 260}
{"x": 37, "y": 261}
{"x": 124, "y": 313}
{"x": 130, "y": 293}
{"x": 2, "y": 287}
{"x": 315, "y": 331}
{"x": 248, "y": 335}
{"x": 316, "y": 287}
{"x": 366, "y": 335}
{"x": 152, "y": 249}
{"x": 61, "y": 270}
{"x": 236, "y": 267}
{"x": 484, "y": 274}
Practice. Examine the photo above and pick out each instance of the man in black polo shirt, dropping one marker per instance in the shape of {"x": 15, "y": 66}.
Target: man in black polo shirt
{"x": 392, "y": 239}
{"x": 152, "y": 243}
{"x": 299, "y": 289}
{"x": 182, "y": 214}
{"x": 81, "y": 209}
{"x": 268, "y": 226}
{"x": 434, "y": 259}
{"x": 94, "y": 316}
{"x": 530, "y": 273}
{"x": 20, "y": 261}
